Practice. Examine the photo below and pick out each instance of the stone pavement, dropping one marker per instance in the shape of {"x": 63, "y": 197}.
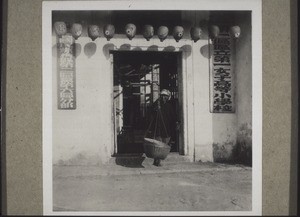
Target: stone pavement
{"x": 137, "y": 185}
{"x": 143, "y": 165}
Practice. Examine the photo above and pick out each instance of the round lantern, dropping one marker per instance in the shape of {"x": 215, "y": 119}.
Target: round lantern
{"x": 235, "y": 31}
{"x": 214, "y": 31}
{"x": 94, "y": 32}
{"x": 130, "y": 30}
{"x": 60, "y": 28}
{"x": 196, "y": 33}
{"x": 178, "y": 33}
{"x": 109, "y": 31}
{"x": 148, "y": 32}
{"x": 162, "y": 33}
{"x": 76, "y": 30}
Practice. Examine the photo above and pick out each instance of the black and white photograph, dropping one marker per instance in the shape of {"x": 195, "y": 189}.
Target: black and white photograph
{"x": 152, "y": 108}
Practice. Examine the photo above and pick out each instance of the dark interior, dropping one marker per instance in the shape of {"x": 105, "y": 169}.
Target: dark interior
{"x": 142, "y": 75}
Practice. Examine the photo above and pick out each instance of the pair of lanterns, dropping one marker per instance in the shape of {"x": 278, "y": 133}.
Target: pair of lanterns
{"x": 61, "y": 29}
{"x": 162, "y": 32}
{"x": 234, "y": 31}
{"x": 76, "y": 30}
{"x": 94, "y": 31}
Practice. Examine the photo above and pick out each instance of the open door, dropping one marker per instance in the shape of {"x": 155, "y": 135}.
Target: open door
{"x": 138, "y": 78}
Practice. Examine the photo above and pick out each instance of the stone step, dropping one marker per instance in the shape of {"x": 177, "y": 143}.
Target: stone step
{"x": 141, "y": 159}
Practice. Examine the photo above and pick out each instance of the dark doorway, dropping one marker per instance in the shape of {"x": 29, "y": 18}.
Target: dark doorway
{"x": 138, "y": 78}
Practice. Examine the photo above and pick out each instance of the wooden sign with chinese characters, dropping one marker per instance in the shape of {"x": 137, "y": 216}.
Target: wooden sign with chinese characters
{"x": 66, "y": 73}
{"x": 222, "y": 75}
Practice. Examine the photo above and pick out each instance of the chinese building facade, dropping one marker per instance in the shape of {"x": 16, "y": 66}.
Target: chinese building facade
{"x": 106, "y": 77}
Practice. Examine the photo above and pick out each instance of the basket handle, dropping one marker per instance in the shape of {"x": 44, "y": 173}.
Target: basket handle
{"x": 158, "y": 114}
{"x": 148, "y": 127}
{"x": 154, "y": 136}
{"x": 152, "y": 119}
{"x": 162, "y": 119}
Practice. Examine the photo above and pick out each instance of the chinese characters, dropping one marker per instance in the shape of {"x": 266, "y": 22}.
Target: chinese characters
{"x": 66, "y": 73}
{"x": 222, "y": 75}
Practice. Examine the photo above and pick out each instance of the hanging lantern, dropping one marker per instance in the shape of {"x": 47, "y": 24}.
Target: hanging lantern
{"x": 214, "y": 31}
{"x": 148, "y": 32}
{"x": 178, "y": 33}
{"x": 94, "y": 32}
{"x": 130, "y": 30}
{"x": 76, "y": 30}
{"x": 60, "y": 28}
{"x": 235, "y": 31}
{"x": 109, "y": 31}
{"x": 196, "y": 33}
{"x": 162, "y": 33}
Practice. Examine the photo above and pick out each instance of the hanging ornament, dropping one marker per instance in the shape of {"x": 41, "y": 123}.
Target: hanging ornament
{"x": 235, "y": 31}
{"x": 214, "y": 31}
{"x": 60, "y": 28}
{"x": 109, "y": 31}
{"x": 178, "y": 32}
{"x": 196, "y": 33}
{"x": 162, "y": 33}
{"x": 93, "y": 31}
{"x": 76, "y": 30}
{"x": 130, "y": 30}
{"x": 148, "y": 32}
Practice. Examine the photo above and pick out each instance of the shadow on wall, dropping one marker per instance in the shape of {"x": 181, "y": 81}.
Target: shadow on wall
{"x": 153, "y": 48}
{"x": 239, "y": 152}
{"x": 137, "y": 49}
{"x": 90, "y": 49}
{"x": 106, "y": 49}
{"x": 169, "y": 48}
{"x": 125, "y": 47}
{"x": 206, "y": 51}
{"x": 187, "y": 49}
{"x": 77, "y": 49}
{"x": 243, "y": 149}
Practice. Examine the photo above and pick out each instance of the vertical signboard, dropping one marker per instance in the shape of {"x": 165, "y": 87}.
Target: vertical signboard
{"x": 222, "y": 75}
{"x": 66, "y": 88}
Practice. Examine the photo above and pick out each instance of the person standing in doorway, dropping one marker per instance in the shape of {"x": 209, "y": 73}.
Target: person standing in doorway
{"x": 167, "y": 125}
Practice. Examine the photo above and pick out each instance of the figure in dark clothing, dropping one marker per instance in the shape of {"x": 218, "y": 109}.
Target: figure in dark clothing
{"x": 164, "y": 128}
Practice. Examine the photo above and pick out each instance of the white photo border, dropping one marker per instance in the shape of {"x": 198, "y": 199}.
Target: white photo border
{"x": 253, "y": 5}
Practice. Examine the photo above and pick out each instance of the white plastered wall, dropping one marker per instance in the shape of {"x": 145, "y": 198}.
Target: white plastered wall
{"x": 85, "y": 135}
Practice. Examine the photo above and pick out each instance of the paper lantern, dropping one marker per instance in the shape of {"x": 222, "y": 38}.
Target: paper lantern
{"x": 214, "y": 31}
{"x": 235, "y": 31}
{"x": 178, "y": 33}
{"x": 162, "y": 33}
{"x": 196, "y": 33}
{"x": 76, "y": 30}
{"x": 60, "y": 28}
{"x": 109, "y": 31}
{"x": 148, "y": 32}
{"x": 130, "y": 30}
{"x": 93, "y": 31}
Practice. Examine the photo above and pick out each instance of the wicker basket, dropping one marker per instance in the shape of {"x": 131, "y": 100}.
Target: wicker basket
{"x": 156, "y": 149}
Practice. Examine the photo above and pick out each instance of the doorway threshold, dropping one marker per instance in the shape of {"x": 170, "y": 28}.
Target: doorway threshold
{"x": 140, "y": 159}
